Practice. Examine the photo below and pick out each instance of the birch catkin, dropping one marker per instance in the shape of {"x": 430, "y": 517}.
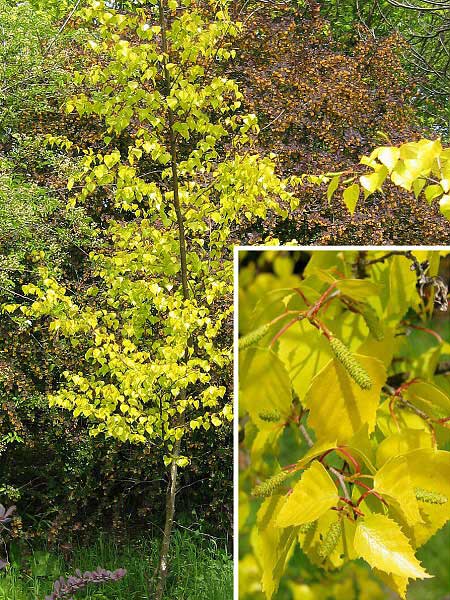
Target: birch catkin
{"x": 354, "y": 369}
{"x": 305, "y": 527}
{"x": 430, "y": 497}
{"x": 269, "y": 416}
{"x": 253, "y": 336}
{"x": 331, "y": 539}
{"x": 269, "y": 486}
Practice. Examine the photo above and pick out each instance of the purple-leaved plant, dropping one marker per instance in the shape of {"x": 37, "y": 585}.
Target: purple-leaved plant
{"x": 63, "y": 587}
{"x": 5, "y": 518}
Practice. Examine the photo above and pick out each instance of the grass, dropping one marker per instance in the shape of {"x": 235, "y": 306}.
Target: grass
{"x": 198, "y": 570}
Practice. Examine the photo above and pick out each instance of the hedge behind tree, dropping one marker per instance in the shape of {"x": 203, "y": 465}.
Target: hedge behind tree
{"x": 321, "y": 106}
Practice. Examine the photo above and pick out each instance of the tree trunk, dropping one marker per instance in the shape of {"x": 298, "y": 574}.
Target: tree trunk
{"x": 163, "y": 567}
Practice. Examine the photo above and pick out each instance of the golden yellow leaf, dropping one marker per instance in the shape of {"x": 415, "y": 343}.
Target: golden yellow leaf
{"x": 380, "y": 541}
{"x": 312, "y": 496}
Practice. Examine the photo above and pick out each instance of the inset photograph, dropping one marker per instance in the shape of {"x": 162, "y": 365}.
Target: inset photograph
{"x": 344, "y": 413}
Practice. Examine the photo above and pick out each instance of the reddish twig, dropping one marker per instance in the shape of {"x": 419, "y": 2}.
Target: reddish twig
{"x": 285, "y": 328}
{"x": 316, "y": 307}
{"x": 369, "y": 491}
{"x": 427, "y": 330}
{"x": 354, "y": 462}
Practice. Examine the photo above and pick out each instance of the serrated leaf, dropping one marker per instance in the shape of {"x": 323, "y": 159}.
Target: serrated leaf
{"x": 429, "y": 398}
{"x": 444, "y": 205}
{"x": 433, "y": 191}
{"x": 373, "y": 182}
{"x": 402, "y": 176}
{"x": 429, "y": 469}
{"x": 358, "y": 289}
{"x": 316, "y": 450}
{"x": 396, "y": 582}
{"x": 393, "y": 481}
{"x": 361, "y": 447}
{"x": 311, "y": 497}
{"x": 380, "y": 541}
{"x": 381, "y": 349}
{"x": 272, "y": 545}
{"x": 112, "y": 159}
{"x": 418, "y": 186}
{"x": 265, "y": 385}
{"x": 304, "y": 351}
{"x": 312, "y": 541}
{"x": 401, "y": 443}
{"x": 341, "y": 414}
{"x": 402, "y": 287}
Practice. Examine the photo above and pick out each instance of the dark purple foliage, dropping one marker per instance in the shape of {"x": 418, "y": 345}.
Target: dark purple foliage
{"x": 5, "y": 515}
{"x": 63, "y": 587}
{"x": 5, "y": 518}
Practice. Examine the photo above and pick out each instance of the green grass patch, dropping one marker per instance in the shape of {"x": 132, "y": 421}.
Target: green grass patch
{"x": 198, "y": 569}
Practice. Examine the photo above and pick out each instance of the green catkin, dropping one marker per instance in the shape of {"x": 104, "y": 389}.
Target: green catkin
{"x": 430, "y": 497}
{"x": 346, "y": 358}
{"x": 269, "y": 486}
{"x": 253, "y": 336}
{"x": 372, "y": 321}
{"x": 305, "y": 527}
{"x": 330, "y": 540}
{"x": 269, "y": 416}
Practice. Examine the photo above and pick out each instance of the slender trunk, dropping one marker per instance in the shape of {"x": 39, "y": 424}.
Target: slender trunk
{"x": 172, "y": 484}
{"x": 174, "y": 160}
{"x": 163, "y": 567}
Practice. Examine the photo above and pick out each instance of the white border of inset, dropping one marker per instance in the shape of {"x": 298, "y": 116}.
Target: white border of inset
{"x": 236, "y": 250}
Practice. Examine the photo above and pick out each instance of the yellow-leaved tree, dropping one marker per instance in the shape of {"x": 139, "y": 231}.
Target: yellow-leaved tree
{"x": 176, "y": 166}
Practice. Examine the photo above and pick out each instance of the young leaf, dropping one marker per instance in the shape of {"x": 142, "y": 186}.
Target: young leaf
{"x": 304, "y": 351}
{"x": 389, "y": 156}
{"x": 396, "y": 582}
{"x": 429, "y": 398}
{"x": 401, "y": 443}
{"x": 272, "y": 545}
{"x": 393, "y": 480}
{"x": 341, "y": 415}
{"x": 332, "y": 187}
{"x": 373, "y": 182}
{"x": 372, "y": 321}
{"x": 380, "y": 541}
{"x": 429, "y": 470}
{"x": 265, "y": 385}
{"x": 358, "y": 289}
{"x": 351, "y": 196}
{"x": 311, "y": 497}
